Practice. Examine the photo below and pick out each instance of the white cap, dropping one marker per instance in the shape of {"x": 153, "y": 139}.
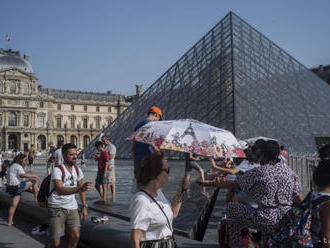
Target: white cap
{"x": 244, "y": 145}
{"x": 100, "y": 137}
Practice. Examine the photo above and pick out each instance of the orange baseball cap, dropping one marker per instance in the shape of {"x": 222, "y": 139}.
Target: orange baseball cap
{"x": 156, "y": 110}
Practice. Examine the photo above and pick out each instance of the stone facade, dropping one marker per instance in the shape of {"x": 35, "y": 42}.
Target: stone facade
{"x": 30, "y": 114}
{"x": 323, "y": 71}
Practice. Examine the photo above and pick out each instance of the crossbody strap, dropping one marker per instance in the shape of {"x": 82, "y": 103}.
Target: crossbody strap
{"x": 168, "y": 222}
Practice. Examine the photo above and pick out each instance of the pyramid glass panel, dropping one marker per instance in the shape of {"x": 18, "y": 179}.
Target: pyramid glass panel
{"x": 237, "y": 79}
{"x": 276, "y": 96}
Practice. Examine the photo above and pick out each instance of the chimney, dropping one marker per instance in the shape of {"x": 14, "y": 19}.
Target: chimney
{"x": 139, "y": 90}
{"x": 26, "y": 57}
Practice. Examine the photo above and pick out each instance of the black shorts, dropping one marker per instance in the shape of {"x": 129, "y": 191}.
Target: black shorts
{"x": 30, "y": 160}
{"x": 193, "y": 165}
{"x": 15, "y": 190}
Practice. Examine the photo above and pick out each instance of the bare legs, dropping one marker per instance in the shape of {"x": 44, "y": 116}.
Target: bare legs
{"x": 74, "y": 236}
{"x": 113, "y": 191}
{"x": 73, "y": 240}
{"x": 103, "y": 190}
{"x": 12, "y": 209}
{"x": 99, "y": 189}
{"x": 201, "y": 171}
{"x": 32, "y": 184}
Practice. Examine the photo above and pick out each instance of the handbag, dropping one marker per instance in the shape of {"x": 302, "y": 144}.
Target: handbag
{"x": 168, "y": 222}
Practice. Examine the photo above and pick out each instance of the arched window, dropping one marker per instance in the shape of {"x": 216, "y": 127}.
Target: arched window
{"x": 41, "y": 142}
{"x": 73, "y": 139}
{"x": 60, "y": 140}
{"x": 12, "y": 87}
{"x": 86, "y": 140}
{"x": 12, "y": 119}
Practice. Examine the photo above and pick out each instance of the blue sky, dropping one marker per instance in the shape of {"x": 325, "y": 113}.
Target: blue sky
{"x": 105, "y": 45}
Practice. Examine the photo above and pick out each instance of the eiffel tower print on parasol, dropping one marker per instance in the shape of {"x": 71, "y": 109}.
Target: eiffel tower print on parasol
{"x": 189, "y": 135}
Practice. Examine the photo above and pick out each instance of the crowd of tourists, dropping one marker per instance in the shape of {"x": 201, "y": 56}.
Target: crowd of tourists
{"x": 264, "y": 196}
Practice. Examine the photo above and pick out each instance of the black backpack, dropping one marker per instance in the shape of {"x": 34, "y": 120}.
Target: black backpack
{"x": 44, "y": 190}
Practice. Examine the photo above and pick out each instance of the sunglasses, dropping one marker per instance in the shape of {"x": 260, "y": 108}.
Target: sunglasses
{"x": 167, "y": 170}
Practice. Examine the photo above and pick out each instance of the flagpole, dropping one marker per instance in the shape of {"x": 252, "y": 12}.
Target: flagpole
{"x": 7, "y": 41}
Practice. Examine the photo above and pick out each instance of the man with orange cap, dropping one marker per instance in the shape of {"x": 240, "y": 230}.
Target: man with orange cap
{"x": 141, "y": 150}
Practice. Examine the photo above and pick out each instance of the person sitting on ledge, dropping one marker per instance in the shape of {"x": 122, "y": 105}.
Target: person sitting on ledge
{"x": 273, "y": 186}
{"x": 15, "y": 184}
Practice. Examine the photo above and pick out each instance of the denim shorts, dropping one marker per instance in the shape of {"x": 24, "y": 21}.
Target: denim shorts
{"x": 99, "y": 178}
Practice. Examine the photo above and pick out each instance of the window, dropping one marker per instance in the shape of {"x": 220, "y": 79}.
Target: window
{"x": 73, "y": 140}
{"x": 72, "y": 122}
{"x": 1, "y": 120}
{"x": 41, "y": 142}
{"x": 85, "y": 123}
{"x": 12, "y": 119}
{"x": 109, "y": 109}
{"x": 85, "y": 107}
{"x": 12, "y": 87}
{"x": 72, "y": 107}
{"x": 41, "y": 104}
{"x": 86, "y": 140}
{"x": 60, "y": 140}
{"x": 109, "y": 120}
{"x": 26, "y": 103}
{"x": 1, "y": 87}
{"x": 25, "y": 88}
{"x": 58, "y": 122}
{"x": 26, "y": 120}
{"x": 98, "y": 122}
{"x": 97, "y": 108}
{"x": 41, "y": 121}
{"x": 58, "y": 106}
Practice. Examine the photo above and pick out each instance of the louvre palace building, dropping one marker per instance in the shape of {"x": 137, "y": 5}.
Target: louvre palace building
{"x": 31, "y": 114}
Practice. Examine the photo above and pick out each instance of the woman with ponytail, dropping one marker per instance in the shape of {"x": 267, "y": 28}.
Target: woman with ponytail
{"x": 16, "y": 185}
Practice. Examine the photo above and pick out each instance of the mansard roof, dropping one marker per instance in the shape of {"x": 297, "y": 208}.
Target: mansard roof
{"x": 83, "y": 95}
{"x": 13, "y": 59}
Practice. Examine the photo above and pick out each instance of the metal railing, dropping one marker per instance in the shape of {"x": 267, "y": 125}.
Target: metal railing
{"x": 303, "y": 164}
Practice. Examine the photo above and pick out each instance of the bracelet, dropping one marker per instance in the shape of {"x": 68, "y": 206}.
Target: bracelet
{"x": 79, "y": 189}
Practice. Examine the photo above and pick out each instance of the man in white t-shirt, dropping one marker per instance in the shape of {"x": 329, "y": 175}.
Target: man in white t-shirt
{"x": 58, "y": 158}
{"x": 62, "y": 205}
{"x": 111, "y": 149}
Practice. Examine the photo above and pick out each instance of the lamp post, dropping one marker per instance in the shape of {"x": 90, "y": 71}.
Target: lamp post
{"x": 91, "y": 127}
{"x": 78, "y": 126}
{"x": 47, "y": 132}
{"x": 66, "y": 140}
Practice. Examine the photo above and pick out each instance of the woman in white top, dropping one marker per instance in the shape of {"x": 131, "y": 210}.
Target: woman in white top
{"x": 15, "y": 184}
{"x": 151, "y": 213}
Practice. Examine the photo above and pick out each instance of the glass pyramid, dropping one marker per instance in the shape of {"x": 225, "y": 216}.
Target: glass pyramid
{"x": 237, "y": 79}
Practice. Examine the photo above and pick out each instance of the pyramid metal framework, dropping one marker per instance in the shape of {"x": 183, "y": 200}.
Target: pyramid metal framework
{"x": 237, "y": 79}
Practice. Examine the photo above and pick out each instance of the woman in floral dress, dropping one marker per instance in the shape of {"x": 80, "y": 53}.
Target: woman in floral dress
{"x": 273, "y": 186}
